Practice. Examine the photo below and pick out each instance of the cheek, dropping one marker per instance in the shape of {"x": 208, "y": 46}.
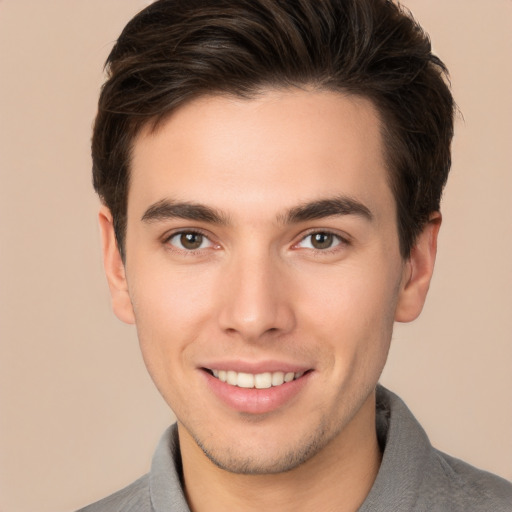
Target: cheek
{"x": 171, "y": 309}
{"x": 351, "y": 294}
{"x": 164, "y": 297}
{"x": 352, "y": 311}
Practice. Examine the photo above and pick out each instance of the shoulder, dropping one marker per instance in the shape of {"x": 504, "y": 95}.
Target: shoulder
{"x": 465, "y": 487}
{"x": 415, "y": 476}
{"x": 160, "y": 489}
{"x": 133, "y": 498}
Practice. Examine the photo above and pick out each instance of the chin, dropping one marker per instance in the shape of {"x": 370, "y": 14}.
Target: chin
{"x": 265, "y": 458}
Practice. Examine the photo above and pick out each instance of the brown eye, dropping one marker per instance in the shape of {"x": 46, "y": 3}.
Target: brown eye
{"x": 321, "y": 240}
{"x": 189, "y": 240}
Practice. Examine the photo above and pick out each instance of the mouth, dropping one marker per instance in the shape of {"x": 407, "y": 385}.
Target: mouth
{"x": 256, "y": 388}
{"x": 262, "y": 380}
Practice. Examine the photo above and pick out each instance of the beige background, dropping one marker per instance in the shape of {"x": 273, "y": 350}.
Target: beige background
{"x": 79, "y": 417}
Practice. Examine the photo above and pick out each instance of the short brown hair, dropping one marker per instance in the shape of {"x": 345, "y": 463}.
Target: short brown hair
{"x": 176, "y": 50}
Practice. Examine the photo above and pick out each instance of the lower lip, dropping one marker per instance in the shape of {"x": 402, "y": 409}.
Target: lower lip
{"x": 256, "y": 401}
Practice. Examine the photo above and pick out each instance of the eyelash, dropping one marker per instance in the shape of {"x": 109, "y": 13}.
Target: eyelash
{"x": 341, "y": 241}
{"x": 196, "y": 232}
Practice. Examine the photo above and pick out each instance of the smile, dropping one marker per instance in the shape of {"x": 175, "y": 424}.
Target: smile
{"x": 258, "y": 381}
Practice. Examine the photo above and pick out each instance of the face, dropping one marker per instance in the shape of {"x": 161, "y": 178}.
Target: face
{"x": 263, "y": 272}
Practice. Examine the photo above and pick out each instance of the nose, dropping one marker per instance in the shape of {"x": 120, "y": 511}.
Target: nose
{"x": 256, "y": 298}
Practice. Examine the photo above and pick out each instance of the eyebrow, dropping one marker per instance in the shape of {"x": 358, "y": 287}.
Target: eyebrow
{"x": 166, "y": 209}
{"x": 336, "y": 206}
{"x": 340, "y": 205}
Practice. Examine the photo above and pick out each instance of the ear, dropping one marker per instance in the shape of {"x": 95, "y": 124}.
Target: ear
{"x": 114, "y": 269}
{"x": 418, "y": 271}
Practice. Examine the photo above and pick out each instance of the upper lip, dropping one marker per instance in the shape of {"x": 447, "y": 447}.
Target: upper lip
{"x": 256, "y": 367}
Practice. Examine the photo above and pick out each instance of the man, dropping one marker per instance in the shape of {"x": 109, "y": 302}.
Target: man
{"x": 271, "y": 173}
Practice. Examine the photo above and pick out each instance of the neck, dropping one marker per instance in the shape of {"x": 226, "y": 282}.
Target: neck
{"x": 339, "y": 477}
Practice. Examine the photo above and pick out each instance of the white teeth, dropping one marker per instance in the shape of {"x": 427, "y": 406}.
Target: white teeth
{"x": 263, "y": 380}
{"x": 277, "y": 378}
{"x": 232, "y": 378}
{"x": 259, "y": 381}
{"x": 245, "y": 380}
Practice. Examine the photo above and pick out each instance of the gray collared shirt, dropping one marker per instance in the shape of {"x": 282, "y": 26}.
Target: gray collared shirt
{"x": 413, "y": 475}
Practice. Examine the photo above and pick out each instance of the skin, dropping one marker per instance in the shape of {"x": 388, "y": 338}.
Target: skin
{"x": 260, "y": 289}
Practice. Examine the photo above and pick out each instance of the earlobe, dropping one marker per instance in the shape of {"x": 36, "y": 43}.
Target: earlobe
{"x": 418, "y": 272}
{"x": 114, "y": 268}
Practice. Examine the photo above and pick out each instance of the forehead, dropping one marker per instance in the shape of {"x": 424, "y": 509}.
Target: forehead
{"x": 279, "y": 148}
